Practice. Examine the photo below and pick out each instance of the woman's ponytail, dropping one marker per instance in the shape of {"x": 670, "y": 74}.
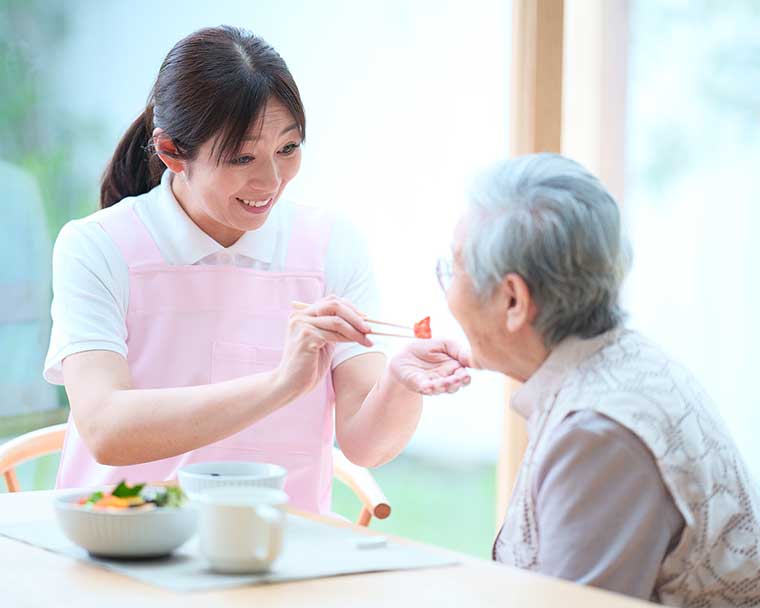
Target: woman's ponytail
{"x": 134, "y": 169}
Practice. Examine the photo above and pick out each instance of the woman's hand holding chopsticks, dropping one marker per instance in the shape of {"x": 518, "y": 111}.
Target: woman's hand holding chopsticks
{"x": 313, "y": 329}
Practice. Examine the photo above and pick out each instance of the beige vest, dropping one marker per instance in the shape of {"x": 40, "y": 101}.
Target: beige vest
{"x": 626, "y": 378}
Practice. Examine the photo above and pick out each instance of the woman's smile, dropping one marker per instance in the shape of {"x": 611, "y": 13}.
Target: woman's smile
{"x": 253, "y": 206}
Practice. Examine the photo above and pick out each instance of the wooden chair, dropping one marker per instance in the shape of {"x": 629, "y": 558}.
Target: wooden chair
{"x": 50, "y": 439}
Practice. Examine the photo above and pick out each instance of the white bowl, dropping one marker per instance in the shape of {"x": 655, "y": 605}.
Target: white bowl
{"x": 194, "y": 479}
{"x": 130, "y": 534}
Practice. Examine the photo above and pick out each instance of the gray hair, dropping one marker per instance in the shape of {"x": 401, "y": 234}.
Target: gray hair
{"x": 546, "y": 218}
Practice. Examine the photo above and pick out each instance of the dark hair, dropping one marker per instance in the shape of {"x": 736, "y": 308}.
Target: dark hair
{"x": 214, "y": 83}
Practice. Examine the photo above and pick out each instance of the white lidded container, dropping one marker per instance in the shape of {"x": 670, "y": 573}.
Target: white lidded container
{"x": 194, "y": 479}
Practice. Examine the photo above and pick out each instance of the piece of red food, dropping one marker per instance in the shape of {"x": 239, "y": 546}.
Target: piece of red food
{"x": 422, "y": 329}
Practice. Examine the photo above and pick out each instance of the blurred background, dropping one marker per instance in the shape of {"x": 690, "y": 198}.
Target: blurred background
{"x": 405, "y": 100}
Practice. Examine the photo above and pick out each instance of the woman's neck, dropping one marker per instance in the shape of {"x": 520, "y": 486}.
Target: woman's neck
{"x": 222, "y": 234}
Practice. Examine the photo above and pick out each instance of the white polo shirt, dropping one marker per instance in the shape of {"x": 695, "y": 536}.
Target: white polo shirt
{"x": 91, "y": 278}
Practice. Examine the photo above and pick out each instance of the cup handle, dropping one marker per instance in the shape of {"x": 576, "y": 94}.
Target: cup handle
{"x": 274, "y": 520}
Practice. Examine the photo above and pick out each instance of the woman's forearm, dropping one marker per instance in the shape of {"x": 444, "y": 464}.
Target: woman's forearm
{"x": 150, "y": 424}
{"x": 383, "y": 425}
{"x": 123, "y": 426}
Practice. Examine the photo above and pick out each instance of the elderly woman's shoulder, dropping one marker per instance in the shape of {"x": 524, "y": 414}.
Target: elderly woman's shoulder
{"x": 629, "y": 349}
{"x": 631, "y": 366}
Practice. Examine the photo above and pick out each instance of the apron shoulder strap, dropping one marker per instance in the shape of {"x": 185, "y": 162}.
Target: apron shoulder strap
{"x": 131, "y": 236}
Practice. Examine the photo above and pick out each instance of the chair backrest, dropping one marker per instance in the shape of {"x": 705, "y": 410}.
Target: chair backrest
{"x": 50, "y": 439}
{"x": 28, "y": 447}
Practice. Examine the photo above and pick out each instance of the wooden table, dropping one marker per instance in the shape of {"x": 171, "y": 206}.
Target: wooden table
{"x": 30, "y": 576}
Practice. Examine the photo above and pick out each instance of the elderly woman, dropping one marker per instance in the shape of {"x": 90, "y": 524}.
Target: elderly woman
{"x": 630, "y": 480}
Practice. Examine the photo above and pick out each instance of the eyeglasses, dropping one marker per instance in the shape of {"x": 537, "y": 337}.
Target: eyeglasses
{"x": 444, "y": 271}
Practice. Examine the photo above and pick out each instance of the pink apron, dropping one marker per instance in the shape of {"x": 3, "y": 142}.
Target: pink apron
{"x": 200, "y": 324}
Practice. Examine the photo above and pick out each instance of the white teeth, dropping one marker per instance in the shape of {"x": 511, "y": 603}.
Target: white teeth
{"x": 251, "y": 203}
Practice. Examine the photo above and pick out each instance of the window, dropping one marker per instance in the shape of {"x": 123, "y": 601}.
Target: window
{"x": 693, "y": 138}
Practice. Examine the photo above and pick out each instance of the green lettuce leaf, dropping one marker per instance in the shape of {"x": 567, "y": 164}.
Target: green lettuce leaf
{"x": 94, "y": 497}
{"x": 125, "y": 491}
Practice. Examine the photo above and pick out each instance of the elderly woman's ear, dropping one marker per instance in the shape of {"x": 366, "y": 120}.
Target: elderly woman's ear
{"x": 517, "y": 303}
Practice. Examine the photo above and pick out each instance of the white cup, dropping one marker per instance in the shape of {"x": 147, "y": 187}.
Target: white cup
{"x": 241, "y": 528}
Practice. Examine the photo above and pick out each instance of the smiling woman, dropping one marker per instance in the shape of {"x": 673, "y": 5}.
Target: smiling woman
{"x": 208, "y": 116}
{"x": 222, "y": 198}
{"x": 173, "y": 330}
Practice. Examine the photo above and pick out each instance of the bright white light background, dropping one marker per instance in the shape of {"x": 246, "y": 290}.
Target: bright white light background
{"x": 404, "y": 100}
{"x": 693, "y": 134}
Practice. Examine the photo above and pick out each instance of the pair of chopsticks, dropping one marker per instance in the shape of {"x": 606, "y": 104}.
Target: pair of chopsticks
{"x": 301, "y": 305}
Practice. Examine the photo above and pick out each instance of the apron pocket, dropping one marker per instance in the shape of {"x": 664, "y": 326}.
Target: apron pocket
{"x": 292, "y": 432}
{"x": 230, "y": 360}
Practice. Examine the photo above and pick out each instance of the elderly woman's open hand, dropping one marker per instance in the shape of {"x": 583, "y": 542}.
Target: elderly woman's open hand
{"x": 431, "y": 367}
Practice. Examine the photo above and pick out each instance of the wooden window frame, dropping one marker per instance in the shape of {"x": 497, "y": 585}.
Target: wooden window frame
{"x": 568, "y": 95}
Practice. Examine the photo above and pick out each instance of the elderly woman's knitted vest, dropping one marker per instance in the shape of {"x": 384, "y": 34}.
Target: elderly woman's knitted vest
{"x": 628, "y": 379}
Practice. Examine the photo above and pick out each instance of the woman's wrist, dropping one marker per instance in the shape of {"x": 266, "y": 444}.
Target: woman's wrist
{"x": 282, "y": 389}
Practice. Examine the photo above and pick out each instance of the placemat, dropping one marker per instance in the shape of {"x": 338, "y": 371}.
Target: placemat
{"x": 311, "y": 550}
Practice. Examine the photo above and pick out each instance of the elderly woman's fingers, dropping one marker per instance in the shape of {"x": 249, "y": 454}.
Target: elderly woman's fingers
{"x": 454, "y": 371}
{"x": 466, "y": 359}
{"x": 456, "y": 352}
{"x": 449, "y": 388}
{"x": 434, "y": 386}
{"x": 437, "y": 386}
{"x": 447, "y": 368}
{"x": 463, "y": 376}
{"x": 446, "y": 378}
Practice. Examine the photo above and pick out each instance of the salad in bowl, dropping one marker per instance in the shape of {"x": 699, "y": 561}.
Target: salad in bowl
{"x": 128, "y": 521}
